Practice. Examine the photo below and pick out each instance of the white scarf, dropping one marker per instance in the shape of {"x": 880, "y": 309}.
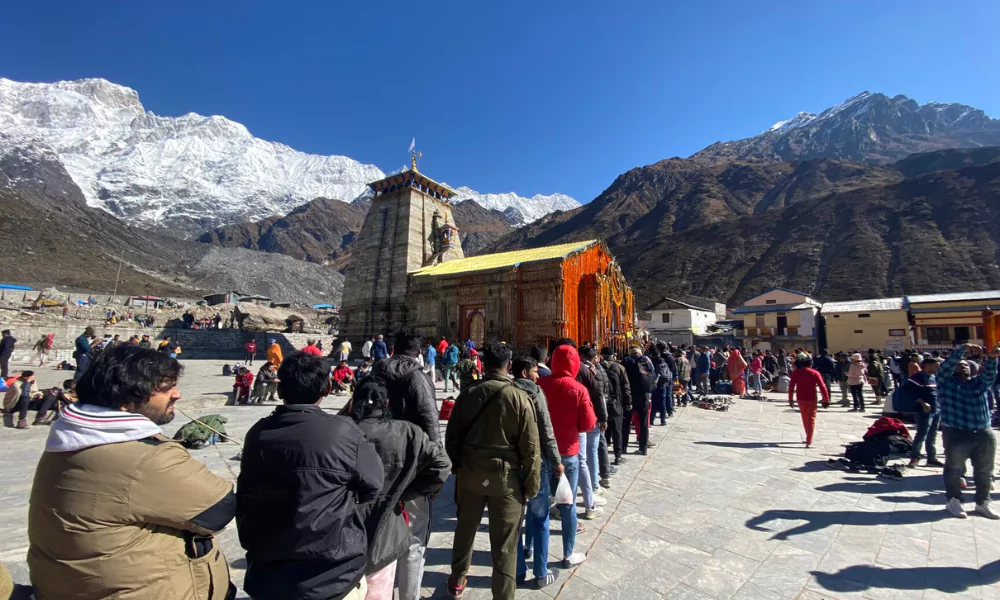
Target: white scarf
{"x": 82, "y": 426}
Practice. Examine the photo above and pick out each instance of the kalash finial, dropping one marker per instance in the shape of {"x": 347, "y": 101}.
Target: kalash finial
{"x": 414, "y": 155}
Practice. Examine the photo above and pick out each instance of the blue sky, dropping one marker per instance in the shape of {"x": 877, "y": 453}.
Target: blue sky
{"x": 532, "y": 97}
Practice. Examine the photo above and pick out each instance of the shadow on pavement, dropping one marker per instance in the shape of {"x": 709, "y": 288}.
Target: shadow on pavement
{"x": 817, "y": 520}
{"x": 930, "y": 483}
{"x": 751, "y": 445}
{"x": 944, "y": 579}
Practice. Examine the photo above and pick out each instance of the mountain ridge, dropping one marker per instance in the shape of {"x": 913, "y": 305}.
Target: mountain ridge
{"x": 189, "y": 173}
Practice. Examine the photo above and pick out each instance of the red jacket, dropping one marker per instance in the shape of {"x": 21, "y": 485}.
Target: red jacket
{"x": 807, "y": 380}
{"x": 568, "y": 401}
{"x": 251, "y": 347}
{"x": 343, "y": 374}
{"x": 312, "y": 349}
{"x": 442, "y": 347}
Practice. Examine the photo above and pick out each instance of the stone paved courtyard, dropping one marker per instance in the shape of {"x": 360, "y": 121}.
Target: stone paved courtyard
{"x": 727, "y": 505}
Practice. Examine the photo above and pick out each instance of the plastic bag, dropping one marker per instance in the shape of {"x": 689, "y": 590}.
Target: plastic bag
{"x": 564, "y": 494}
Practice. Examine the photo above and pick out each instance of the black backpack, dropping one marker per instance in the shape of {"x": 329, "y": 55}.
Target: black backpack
{"x": 227, "y": 370}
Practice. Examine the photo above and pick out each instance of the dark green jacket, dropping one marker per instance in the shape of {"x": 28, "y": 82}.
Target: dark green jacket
{"x": 498, "y": 454}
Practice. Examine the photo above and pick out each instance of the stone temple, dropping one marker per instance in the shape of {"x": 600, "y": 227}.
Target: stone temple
{"x": 408, "y": 269}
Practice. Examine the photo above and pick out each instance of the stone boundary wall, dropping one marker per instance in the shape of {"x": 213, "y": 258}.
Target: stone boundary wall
{"x": 194, "y": 343}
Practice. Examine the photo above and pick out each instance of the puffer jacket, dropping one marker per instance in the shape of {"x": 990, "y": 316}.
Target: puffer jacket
{"x": 415, "y": 467}
{"x": 14, "y": 393}
{"x": 619, "y": 391}
{"x": 569, "y": 402}
{"x": 302, "y": 474}
{"x": 595, "y": 390}
{"x": 857, "y": 373}
{"x": 497, "y": 453}
{"x": 411, "y": 397}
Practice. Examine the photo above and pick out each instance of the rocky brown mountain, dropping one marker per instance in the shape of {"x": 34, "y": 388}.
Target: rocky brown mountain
{"x": 51, "y": 237}
{"x": 926, "y": 234}
{"x": 729, "y": 229}
{"x": 866, "y": 128}
{"x": 323, "y": 231}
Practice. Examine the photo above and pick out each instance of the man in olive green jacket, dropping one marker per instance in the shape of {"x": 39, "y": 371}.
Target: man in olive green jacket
{"x": 492, "y": 440}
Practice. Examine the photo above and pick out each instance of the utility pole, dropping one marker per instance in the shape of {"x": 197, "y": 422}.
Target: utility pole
{"x": 114, "y": 294}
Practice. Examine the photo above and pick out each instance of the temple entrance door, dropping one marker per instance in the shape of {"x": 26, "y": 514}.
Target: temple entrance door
{"x": 477, "y": 328}
{"x": 474, "y": 324}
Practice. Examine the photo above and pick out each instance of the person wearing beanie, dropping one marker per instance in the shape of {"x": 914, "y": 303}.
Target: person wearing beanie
{"x": 857, "y": 377}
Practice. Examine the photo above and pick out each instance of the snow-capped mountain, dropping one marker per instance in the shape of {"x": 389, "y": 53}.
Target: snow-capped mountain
{"x": 190, "y": 171}
{"x": 187, "y": 173}
{"x": 866, "y": 128}
{"x": 518, "y": 209}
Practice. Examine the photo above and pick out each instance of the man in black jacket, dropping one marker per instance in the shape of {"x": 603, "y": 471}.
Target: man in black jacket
{"x": 303, "y": 472}
{"x": 7, "y": 342}
{"x": 825, "y": 366}
{"x": 411, "y": 398}
{"x": 641, "y": 379}
{"x": 619, "y": 400}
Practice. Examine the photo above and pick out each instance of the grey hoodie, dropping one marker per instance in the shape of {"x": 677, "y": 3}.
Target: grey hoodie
{"x": 546, "y": 436}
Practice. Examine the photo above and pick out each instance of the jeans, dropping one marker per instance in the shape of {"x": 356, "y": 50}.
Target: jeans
{"x": 960, "y": 446}
{"x": 755, "y": 383}
{"x": 82, "y": 362}
{"x": 602, "y": 453}
{"x": 249, "y": 358}
{"x": 586, "y": 484}
{"x": 844, "y": 388}
{"x": 449, "y": 376}
{"x": 927, "y": 428}
{"x": 659, "y": 402}
{"x": 593, "y": 454}
{"x": 536, "y": 528}
{"x": 567, "y": 512}
{"x": 858, "y": 393}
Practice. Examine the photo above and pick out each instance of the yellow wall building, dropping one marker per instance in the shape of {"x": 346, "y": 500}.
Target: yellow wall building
{"x": 880, "y": 323}
{"x": 940, "y": 319}
{"x": 779, "y": 319}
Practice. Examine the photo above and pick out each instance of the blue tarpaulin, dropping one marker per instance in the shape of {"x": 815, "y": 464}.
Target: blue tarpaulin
{"x": 322, "y": 306}
{"x": 20, "y": 288}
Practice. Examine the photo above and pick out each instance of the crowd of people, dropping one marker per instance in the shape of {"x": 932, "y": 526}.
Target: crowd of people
{"x": 340, "y": 505}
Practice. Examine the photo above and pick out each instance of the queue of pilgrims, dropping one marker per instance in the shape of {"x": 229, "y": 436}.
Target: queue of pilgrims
{"x": 331, "y": 506}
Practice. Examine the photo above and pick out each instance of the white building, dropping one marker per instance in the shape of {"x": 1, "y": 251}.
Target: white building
{"x": 678, "y": 321}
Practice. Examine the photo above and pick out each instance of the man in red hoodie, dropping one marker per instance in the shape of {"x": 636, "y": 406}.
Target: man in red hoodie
{"x": 802, "y": 388}
{"x": 572, "y": 414}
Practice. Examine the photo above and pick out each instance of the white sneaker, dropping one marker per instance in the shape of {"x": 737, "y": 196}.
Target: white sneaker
{"x": 574, "y": 559}
{"x": 954, "y": 507}
{"x": 592, "y": 513}
{"x": 984, "y": 510}
{"x": 598, "y": 501}
{"x": 599, "y": 491}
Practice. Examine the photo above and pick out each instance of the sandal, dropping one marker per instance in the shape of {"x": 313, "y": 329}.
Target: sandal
{"x": 455, "y": 590}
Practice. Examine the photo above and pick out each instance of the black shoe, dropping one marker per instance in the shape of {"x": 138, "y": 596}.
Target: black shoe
{"x": 641, "y": 452}
{"x": 550, "y": 578}
{"x": 619, "y": 460}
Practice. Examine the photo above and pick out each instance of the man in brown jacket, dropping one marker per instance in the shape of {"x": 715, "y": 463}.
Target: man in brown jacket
{"x": 492, "y": 440}
{"x": 117, "y": 510}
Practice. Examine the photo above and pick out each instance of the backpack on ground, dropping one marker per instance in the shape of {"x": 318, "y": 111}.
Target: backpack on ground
{"x": 227, "y": 370}
{"x": 196, "y": 435}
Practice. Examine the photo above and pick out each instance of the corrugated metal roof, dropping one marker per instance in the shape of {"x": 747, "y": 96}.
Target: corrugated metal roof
{"x": 487, "y": 262}
{"x": 955, "y": 296}
{"x": 869, "y": 305}
{"x": 766, "y": 308}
